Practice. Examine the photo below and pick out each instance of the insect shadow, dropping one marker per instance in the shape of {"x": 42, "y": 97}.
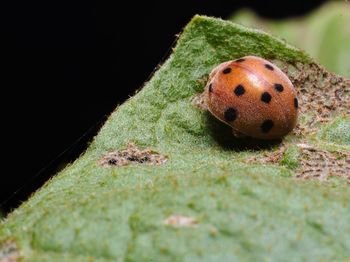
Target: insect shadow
{"x": 223, "y": 135}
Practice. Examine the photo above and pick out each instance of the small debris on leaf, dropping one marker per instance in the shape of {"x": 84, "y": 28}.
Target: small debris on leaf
{"x": 180, "y": 221}
{"x": 132, "y": 155}
{"x": 9, "y": 252}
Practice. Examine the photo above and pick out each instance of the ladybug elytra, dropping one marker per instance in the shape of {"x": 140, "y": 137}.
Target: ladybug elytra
{"x": 253, "y": 96}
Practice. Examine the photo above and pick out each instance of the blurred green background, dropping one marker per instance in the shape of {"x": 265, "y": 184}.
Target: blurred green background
{"x": 324, "y": 33}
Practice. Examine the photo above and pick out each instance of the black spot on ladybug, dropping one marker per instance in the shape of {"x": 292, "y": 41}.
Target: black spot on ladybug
{"x": 296, "y": 103}
{"x": 269, "y": 67}
{"x": 230, "y": 114}
{"x": 266, "y": 97}
{"x": 227, "y": 70}
{"x": 266, "y": 126}
{"x": 240, "y": 60}
{"x": 239, "y": 90}
{"x": 210, "y": 88}
{"x": 279, "y": 87}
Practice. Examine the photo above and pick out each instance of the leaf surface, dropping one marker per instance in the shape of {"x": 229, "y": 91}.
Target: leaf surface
{"x": 242, "y": 209}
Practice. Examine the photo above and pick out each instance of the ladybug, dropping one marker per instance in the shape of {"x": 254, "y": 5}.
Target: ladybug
{"x": 253, "y": 96}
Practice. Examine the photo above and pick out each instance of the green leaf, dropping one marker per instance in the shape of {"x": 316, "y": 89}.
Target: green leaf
{"x": 324, "y": 34}
{"x": 235, "y": 209}
{"x": 337, "y": 132}
{"x": 290, "y": 157}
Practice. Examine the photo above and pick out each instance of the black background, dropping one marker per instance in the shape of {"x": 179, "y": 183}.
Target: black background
{"x": 66, "y": 66}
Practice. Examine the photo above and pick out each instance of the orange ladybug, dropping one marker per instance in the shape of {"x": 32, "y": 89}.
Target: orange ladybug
{"x": 253, "y": 96}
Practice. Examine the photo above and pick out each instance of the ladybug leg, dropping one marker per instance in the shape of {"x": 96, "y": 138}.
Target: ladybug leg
{"x": 238, "y": 134}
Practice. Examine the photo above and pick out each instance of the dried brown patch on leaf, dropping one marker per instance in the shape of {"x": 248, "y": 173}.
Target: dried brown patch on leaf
{"x": 322, "y": 164}
{"x": 9, "y": 252}
{"x": 132, "y": 155}
{"x": 320, "y": 93}
{"x": 180, "y": 221}
{"x": 314, "y": 163}
{"x": 199, "y": 101}
{"x": 268, "y": 157}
